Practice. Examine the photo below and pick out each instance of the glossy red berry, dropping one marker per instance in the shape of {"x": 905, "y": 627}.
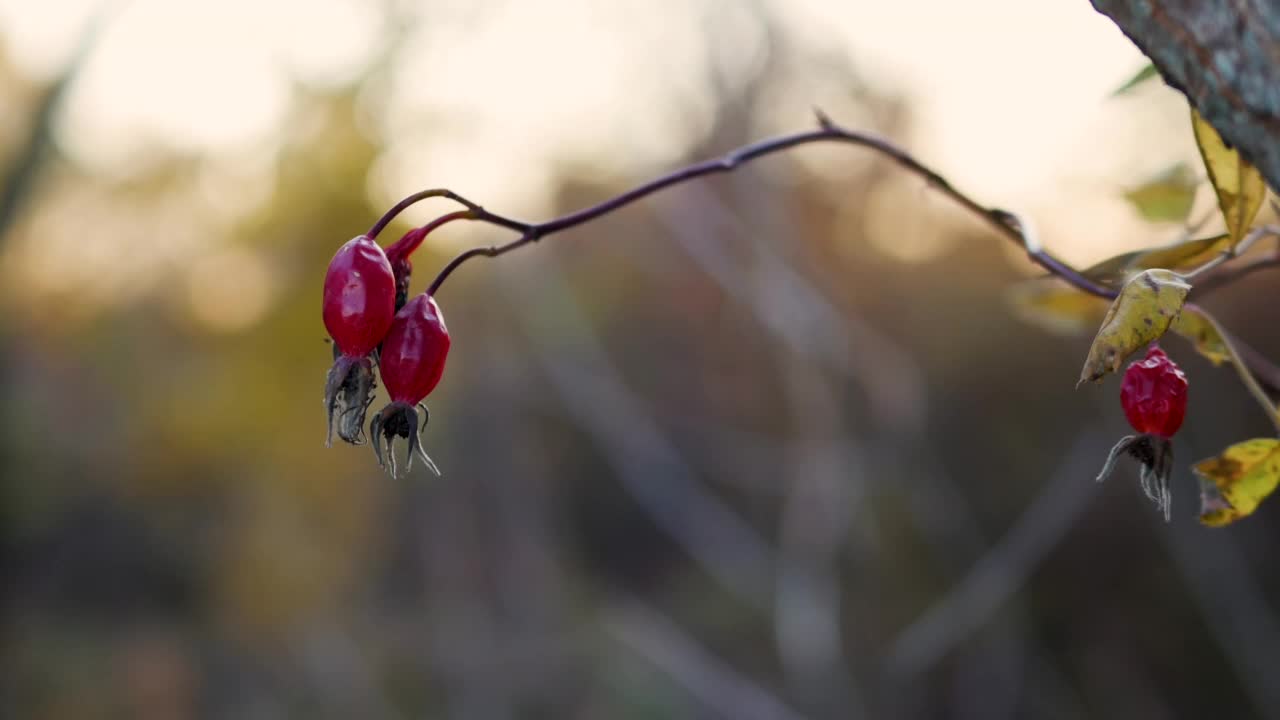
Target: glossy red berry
{"x": 412, "y": 362}
{"x": 359, "y": 304}
{"x": 1154, "y": 394}
{"x": 414, "y": 351}
{"x": 359, "y": 297}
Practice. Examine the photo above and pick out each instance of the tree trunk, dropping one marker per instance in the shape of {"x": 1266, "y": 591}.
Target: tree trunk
{"x": 1224, "y": 55}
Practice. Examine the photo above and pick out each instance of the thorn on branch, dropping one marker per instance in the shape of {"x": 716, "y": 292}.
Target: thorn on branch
{"x": 824, "y": 120}
{"x": 1022, "y": 227}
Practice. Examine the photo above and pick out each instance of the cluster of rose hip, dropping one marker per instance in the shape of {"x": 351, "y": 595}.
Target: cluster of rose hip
{"x": 1154, "y": 397}
{"x": 372, "y": 322}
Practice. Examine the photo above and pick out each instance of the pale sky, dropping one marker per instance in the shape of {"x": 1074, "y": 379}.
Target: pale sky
{"x": 1008, "y": 98}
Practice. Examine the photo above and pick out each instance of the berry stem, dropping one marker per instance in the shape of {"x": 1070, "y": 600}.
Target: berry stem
{"x": 408, "y": 244}
{"x": 1234, "y": 251}
{"x": 1228, "y": 275}
{"x": 1237, "y": 362}
{"x": 404, "y": 204}
{"x": 827, "y": 131}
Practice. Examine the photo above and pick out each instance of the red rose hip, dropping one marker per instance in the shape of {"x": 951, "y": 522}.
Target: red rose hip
{"x": 359, "y": 304}
{"x": 414, "y": 352}
{"x": 412, "y": 362}
{"x": 1154, "y": 394}
{"x": 359, "y": 297}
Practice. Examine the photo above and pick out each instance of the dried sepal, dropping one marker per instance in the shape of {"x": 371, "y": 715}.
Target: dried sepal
{"x": 400, "y": 420}
{"x": 348, "y": 392}
{"x": 1155, "y": 457}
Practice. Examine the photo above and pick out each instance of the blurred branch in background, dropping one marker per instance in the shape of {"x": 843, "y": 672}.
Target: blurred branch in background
{"x": 1234, "y": 607}
{"x": 655, "y": 637}
{"x": 1009, "y": 665}
{"x": 23, "y": 169}
{"x": 820, "y": 492}
{"x": 646, "y": 462}
{"x": 825, "y": 480}
{"x": 1004, "y": 568}
{"x": 339, "y": 673}
{"x": 789, "y": 305}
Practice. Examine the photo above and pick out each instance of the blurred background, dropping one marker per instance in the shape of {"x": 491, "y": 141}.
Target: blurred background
{"x": 769, "y": 445}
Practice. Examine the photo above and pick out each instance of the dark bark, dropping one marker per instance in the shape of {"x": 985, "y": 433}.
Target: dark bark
{"x": 1224, "y": 55}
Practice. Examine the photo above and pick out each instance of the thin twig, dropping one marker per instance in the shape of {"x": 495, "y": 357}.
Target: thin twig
{"x": 1234, "y": 251}
{"x": 1002, "y": 570}
{"x": 1229, "y": 275}
{"x": 419, "y": 196}
{"x": 1003, "y": 222}
{"x": 407, "y": 245}
{"x": 1254, "y": 369}
{"x": 1238, "y": 362}
{"x": 721, "y": 688}
{"x": 1013, "y": 227}
{"x": 1266, "y": 372}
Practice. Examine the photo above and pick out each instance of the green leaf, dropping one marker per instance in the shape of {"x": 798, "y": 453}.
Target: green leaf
{"x": 1139, "y": 78}
{"x": 1166, "y": 197}
{"x": 1194, "y": 325}
{"x": 1239, "y": 185}
{"x": 1146, "y": 306}
{"x": 1234, "y": 483}
{"x": 1052, "y": 305}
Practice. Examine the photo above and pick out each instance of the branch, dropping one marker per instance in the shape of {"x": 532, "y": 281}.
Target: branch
{"x": 1001, "y": 221}
{"x": 419, "y": 196}
{"x": 1265, "y": 371}
{"x": 1233, "y": 252}
{"x": 695, "y": 668}
{"x": 1229, "y": 275}
{"x": 1257, "y": 372}
{"x": 1013, "y": 227}
{"x": 1241, "y": 365}
{"x": 1003, "y": 570}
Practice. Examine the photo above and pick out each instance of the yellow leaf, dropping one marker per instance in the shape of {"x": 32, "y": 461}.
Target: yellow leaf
{"x": 1056, "y": 307}
{"x": 1146, "y": 306}
{"x": 1236, "y": 481}
{"x": 1113, "y": 270}
{"x": 1193, "y": 325}
{"x": 1183, "y": 255}
{"x": 1167, "y": 197}
{"x": 1239, "y": 185}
